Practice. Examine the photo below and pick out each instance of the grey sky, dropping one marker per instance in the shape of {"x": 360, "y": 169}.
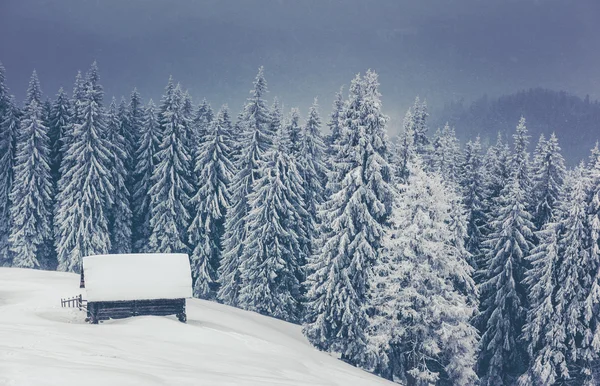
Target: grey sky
{"x": 439, "y": 49}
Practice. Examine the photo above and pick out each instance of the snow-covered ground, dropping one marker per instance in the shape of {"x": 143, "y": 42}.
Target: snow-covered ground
{"x": 44, "y": 344}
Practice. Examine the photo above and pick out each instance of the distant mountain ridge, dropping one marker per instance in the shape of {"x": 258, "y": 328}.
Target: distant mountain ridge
{"x": 575, "y": 120}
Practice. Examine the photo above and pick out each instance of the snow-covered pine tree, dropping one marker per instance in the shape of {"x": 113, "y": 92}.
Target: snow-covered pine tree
{"x": 127, "y": 132}
{"x": 563, "y": 322}
{"x": 496, "y": 168}
{"x": 520, "y": 158}
{"x": 9, "y": 128}
{"x": 542, "y": 332}
{"x": 85, "y": 185}
{"x": 136, "y": 121}
{"x": 314, "y": 172}
{"x": 548, "y": 175}
{"x": 271, "y": 268}
{"x": 170, "y": 183}
{"x": 293, "y": 133}
{"x": 202, "y": 119}
{"x": 354, "y": 220}
{"x": 256, "y": 142}
{"x": 474, "y": 194}
{"x": 119, "y": 214}
{"x": 405, "y": 150}
{"x": 31, "y": 193}
{"x": 335, "y": 123}
{"x": 420, "y": 140}
{"x": 503, "y": 295}
{"x": 446, "y": 156}
{"x": 149, "y": 143}
{"x": 419, "y": 330}
{"x": 210, "y": 203}
{"x": 275, "y": 126}
{"x": 187, "y": 113}
{"x": 60, "y": 119}
{"x": 590, "y": 271}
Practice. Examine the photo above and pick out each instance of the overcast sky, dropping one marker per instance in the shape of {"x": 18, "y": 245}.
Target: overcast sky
{"x": 438, "y": 49}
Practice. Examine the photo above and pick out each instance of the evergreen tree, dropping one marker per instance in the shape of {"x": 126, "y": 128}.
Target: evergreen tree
{"x": 293, "y": 133}
{"x": 275, "y": 126}
{"x": 562, "y": 328}
{"x": 542, "y": 331}
{"x": 149, "y": 144}
{"x": 419, "y": 330}
{"x": 354, "y": 220}
{"x": 314, "y": 172}
{"x": 119, "y": 215}
{"x": 210, "y": 203}
{"x": 335, "y": 122}
{"x": 446, "y": 156}
{"x": 520, "y": 158}
{"x": 420, "y": 128}
{"x": 31, "y": 193}
{"x": 9, "y": 129}
{"x": 60, "y": 119}
{"x": 170, "y": 187}
{"x": 202, "y": 120}
{"x": 81, "y": 218}
{"x": 256, "y": 142}
{"x": 405, "y": 150}
{"x": 474, "y": 195}
{"x": 136, "y": 121}
{"x": 548, "y": 175}
{"x": 503, "y": 295}
{"x": 271, "y": 268}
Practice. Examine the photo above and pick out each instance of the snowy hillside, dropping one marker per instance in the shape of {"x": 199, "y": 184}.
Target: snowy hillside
{"x": 43, "y": 344}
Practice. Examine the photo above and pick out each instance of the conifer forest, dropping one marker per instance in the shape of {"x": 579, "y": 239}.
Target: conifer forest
{"x": 421, "y": 259}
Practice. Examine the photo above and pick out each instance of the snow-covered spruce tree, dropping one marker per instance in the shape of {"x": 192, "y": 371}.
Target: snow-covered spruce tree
{"x": 210, "y": 203}
{"x": 474, "y": 194}
{"x": 503, "y": 294}
{"x": 590, "y": 271}
{"x": 60, "y": 119}
{"x": 335, "y": 123}
{"x": 419, "y": 331}
{"x": 332, "y": 142}
{"x": 119, "y": 215}
{"x": 314, "y": 172}
{"x": 276, "y": 120}
{"x": 149, "y": 143}
{"x": 31, "y": 191}
{"x": 562, "y": 328}
{"x": 548, "y": 175}
{"x": 446, "y": 156}
{"x": 170, "y": 183}
{"x": 187, "y": 113}
{"x": 85, "y": 186}
{"x": 136, "y": 120}
{"x": 293, "y": 133}
{"x": 202, "y": 119}
{"x": 354, "y": 221}
{"x": 405, "y": 150}
{"x": 496, "y": 168}
{"x": 420, "y": 129}
{"x": 271, "y": 268}
{"x": 9, "y": 128}
{"x": 256, "y": 142}
{"x": 520, "y": 158}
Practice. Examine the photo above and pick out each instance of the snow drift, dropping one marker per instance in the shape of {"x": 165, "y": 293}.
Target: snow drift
{"x": 43, "y": 344}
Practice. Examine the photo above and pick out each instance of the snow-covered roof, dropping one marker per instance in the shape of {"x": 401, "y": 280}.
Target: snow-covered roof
{"x": 137, "y": 276}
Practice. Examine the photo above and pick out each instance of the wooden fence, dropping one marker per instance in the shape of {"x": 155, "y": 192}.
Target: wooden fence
{"x": 74, "y": 302}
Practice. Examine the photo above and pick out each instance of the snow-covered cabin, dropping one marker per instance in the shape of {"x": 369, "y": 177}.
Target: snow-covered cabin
{"x": 120, "y": 286}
